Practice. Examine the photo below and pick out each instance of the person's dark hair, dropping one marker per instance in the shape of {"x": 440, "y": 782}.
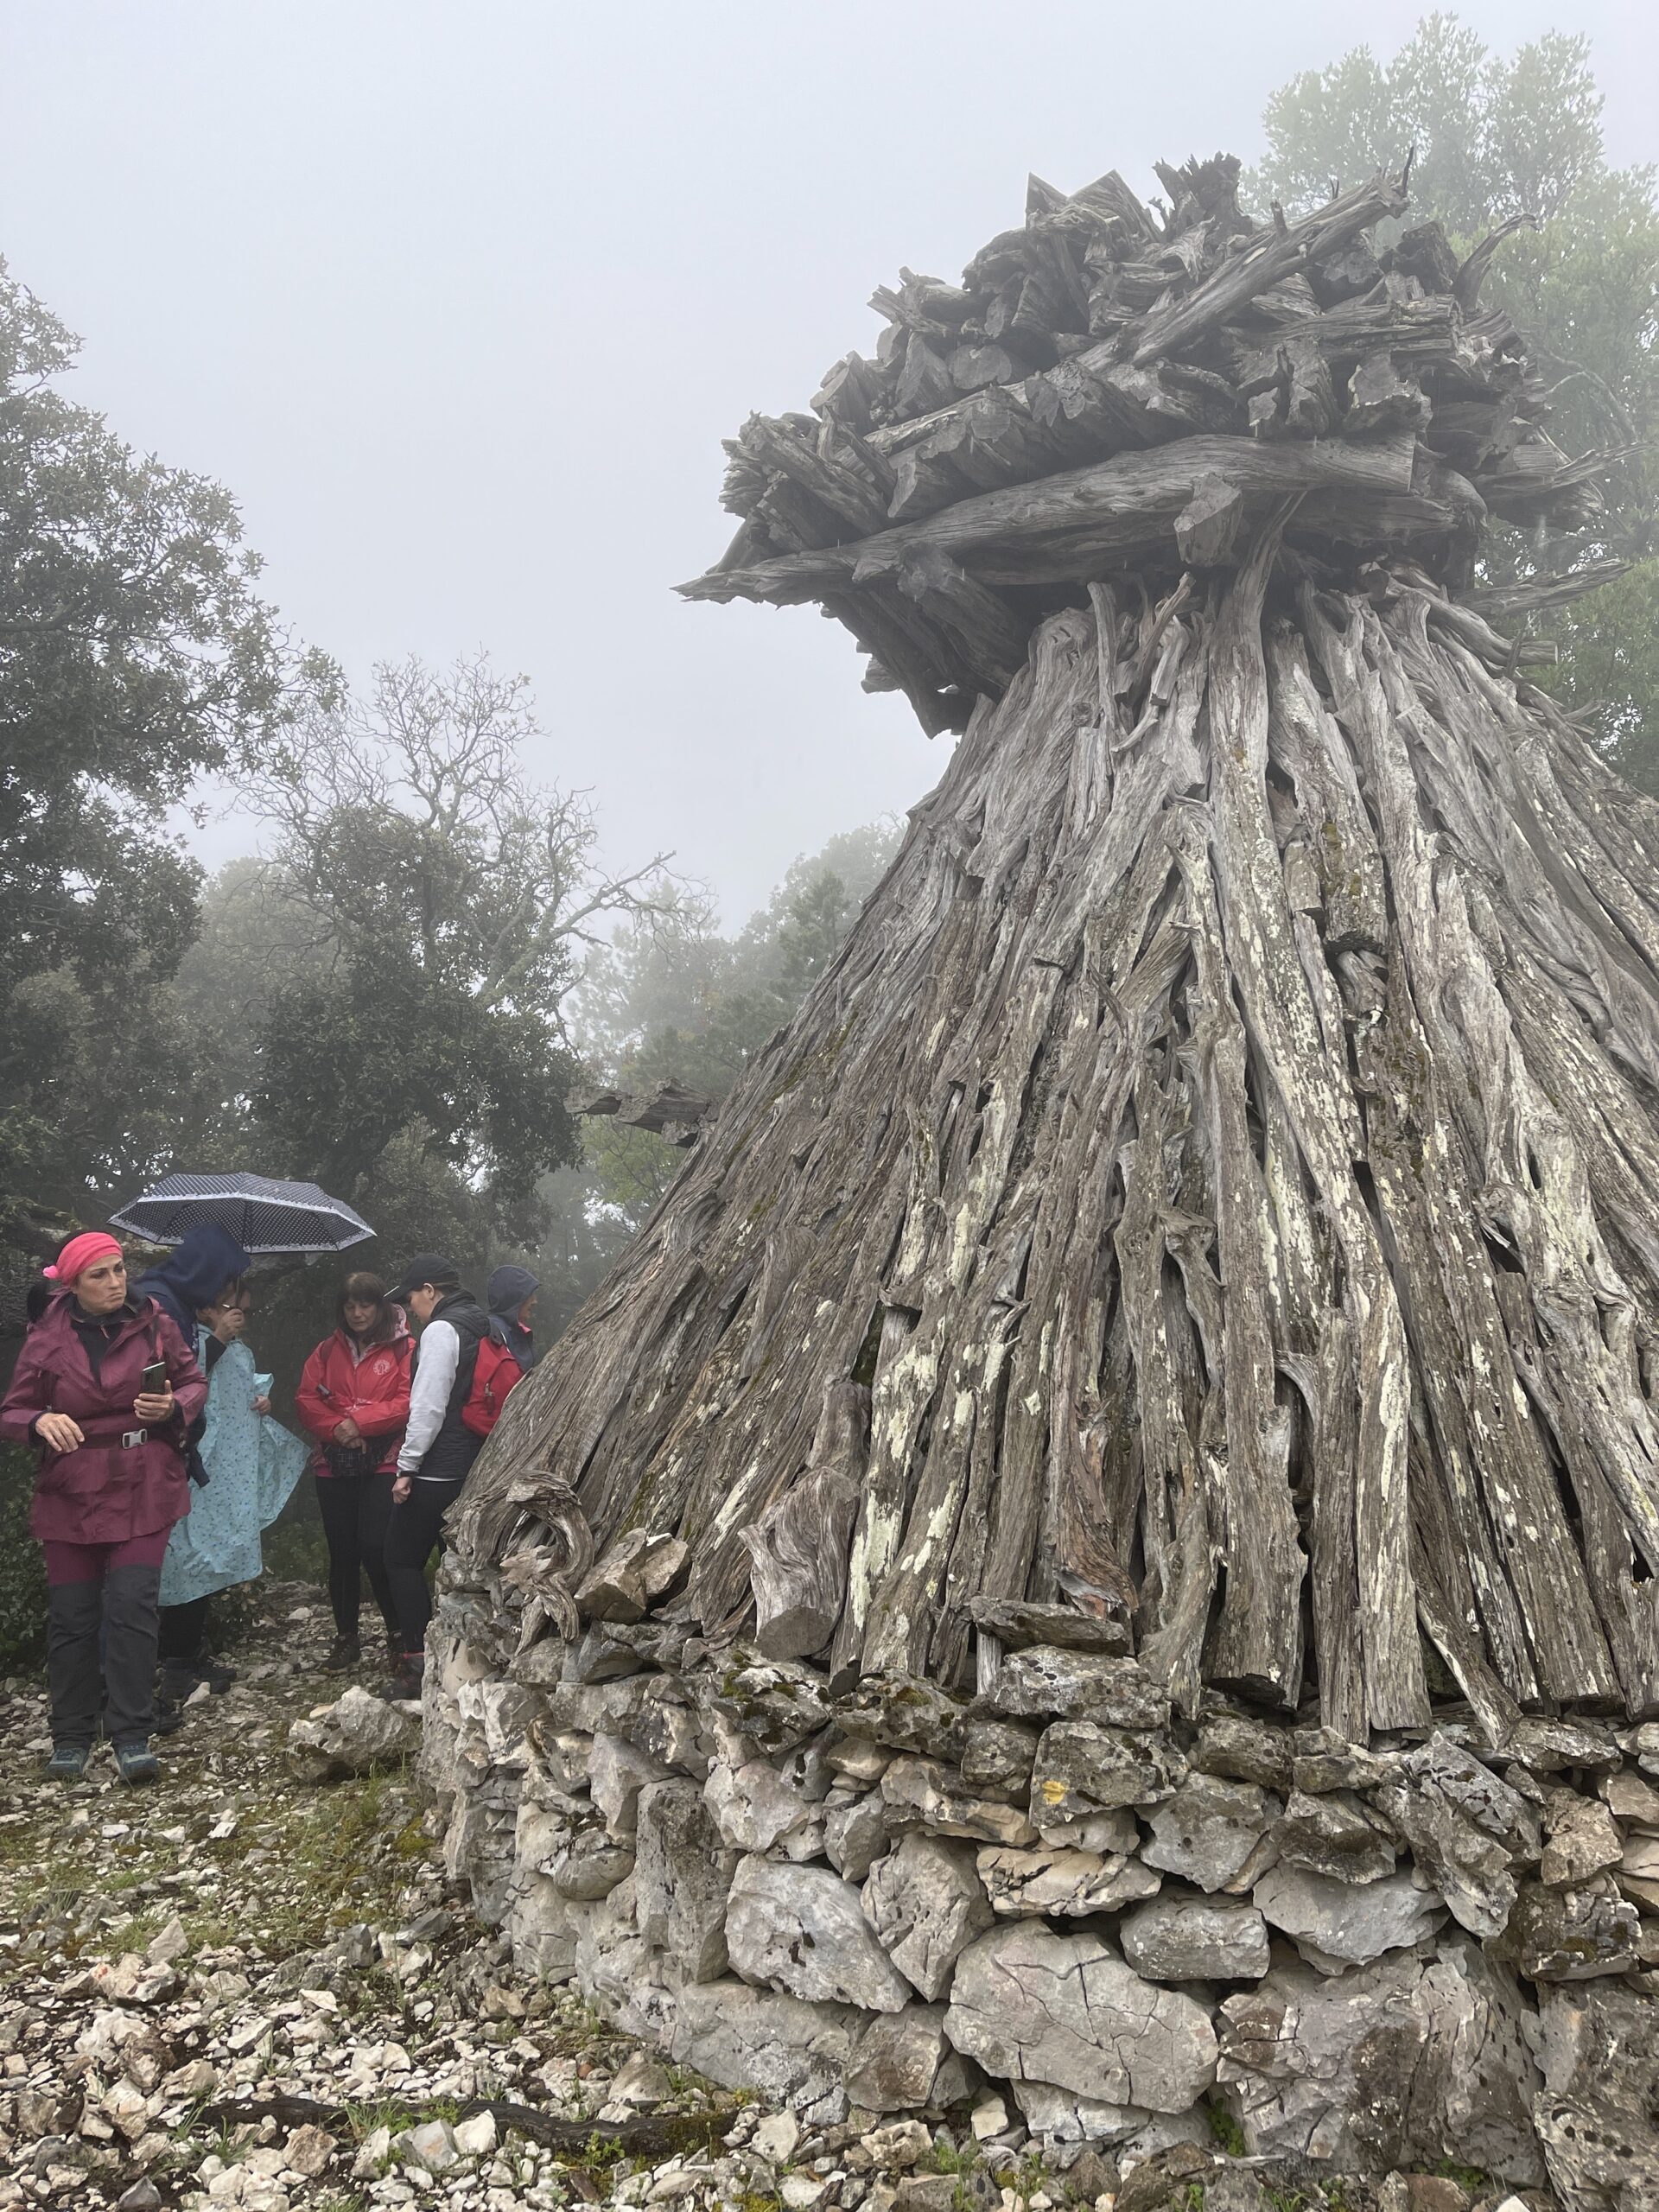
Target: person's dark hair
{"x": 365, "y": 1285}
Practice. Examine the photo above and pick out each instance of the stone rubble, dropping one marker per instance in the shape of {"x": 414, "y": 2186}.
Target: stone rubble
{"x": 470, "y": 1994}
{"x": 1057, "y": 1900}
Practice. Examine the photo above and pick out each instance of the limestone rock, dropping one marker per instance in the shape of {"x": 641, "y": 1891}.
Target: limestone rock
{"x": 1400, "y": 2063}
{"x": 606, "y": 1709}
{"x": 1550, "y": 1746}
{"x": 1639, "y": 1859}
{"x": 1083, "y": 1769}
{"x": 570, "y": 1846}
{"x": 355, "y": 1733}
{"x": 1062, "y": 2116}
{"x": 616, "y": 1774}
{"x": 561, "y": 1765}
{"x": 998, "y": 1755}
{"x": 906, "y": 1712}
{"x": 1036, "y": 2006}
{"x": 683, "y": 1878}
{"x": 802, "y": 1929}
{"x": 1207, "y": 1831}
{"x": 1194, "y": 1939}
{"x": 757, "y": 1808}
{"x": 1336, "y": 1835}
{"x": 922, "y": 1793}
{"x": 1019, "y": 1622}
{"x": 1113, "y": 1836}
{"x": 1601, "y": 2153}
{"x": 1241, "y": 1749}
{"x": 1466, "y": 1829}
{"x": 1598, "y": 2117}
{"x": 797, "y": 2054}
{"x": 1067, "y": 1883}
{"x": 1322, "y": 1760}
{"x": 1338, "y": 1924}
{"x": 776, "y": 1702}
{"x": 543, "y": 1928}
{"x": 854, "y": 1761}
{"x": 1047, "y": 1680}
{"x": 1583, "y": 1841}
{"x": 926, "y": 1901}
{"x": 854, "y": 1833}
{"x": 1572, "y": 1935}
{"x": 670, "y": 1734}
{"x": 897, "y": 2063}
{"x": 1632, "y": 1800}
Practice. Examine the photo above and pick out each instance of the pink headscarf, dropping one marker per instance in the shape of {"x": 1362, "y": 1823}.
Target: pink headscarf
{"x": 82, "y": 1252}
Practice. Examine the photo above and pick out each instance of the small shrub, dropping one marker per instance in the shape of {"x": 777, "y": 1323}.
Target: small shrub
{"x": 1225, "y": 2131}
{"x": 23, "y": 1577}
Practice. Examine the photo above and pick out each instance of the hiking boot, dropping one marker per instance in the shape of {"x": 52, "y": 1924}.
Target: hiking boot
{"x": 405, "y": 1684}
{"x": 180, "y": 1677}
{"x": 343, "y": 1653}
{"x": 68, "y": 1761}
{"x": 169, "y": 1718}
{"x": 136, "y": 1763}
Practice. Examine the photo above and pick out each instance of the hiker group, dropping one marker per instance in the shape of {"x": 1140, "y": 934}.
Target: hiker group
{"x": 160, "y": 1462}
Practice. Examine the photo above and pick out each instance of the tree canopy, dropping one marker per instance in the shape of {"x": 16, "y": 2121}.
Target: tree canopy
{"x": 135, "y": 657}
{"x": 1496, "y": 139}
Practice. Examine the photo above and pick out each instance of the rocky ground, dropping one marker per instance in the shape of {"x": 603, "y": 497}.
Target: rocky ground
{"x": 241, "y": 1988}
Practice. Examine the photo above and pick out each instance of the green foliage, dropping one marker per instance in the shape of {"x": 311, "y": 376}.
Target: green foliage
{"x": 1493, "y": 137}
{"x": 1225, "y": 2131}
{"x": 135, "y": 657}
{"x": 1496, "y": 138}
{"x": 450, "y": 902}
{"x": 23, "y": 1580}
{"x": 673, "y": 1001}
{"x": 1608, "y": 674}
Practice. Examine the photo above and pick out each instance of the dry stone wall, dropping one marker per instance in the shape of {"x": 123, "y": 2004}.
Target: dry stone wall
{"x": 1439, "y": 1946}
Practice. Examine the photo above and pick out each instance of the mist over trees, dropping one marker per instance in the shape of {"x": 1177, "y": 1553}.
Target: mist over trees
{"x": 1517, "y": 139}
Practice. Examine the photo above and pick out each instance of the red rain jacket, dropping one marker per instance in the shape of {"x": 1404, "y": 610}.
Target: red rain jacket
{"x": 107, "y": 1491}
{"x": 372, "y": 1389}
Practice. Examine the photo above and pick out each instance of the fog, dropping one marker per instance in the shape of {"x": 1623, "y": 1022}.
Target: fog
{"x": 459, "y": 301}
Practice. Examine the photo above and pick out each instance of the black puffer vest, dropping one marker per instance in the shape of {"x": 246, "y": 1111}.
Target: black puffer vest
{"x": 452, "y": 1450}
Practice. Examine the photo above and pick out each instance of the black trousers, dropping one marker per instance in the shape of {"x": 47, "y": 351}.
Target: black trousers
{"x": 184, "y": 1631}
{"x": 355, "y": 1510}
{"x": 411, "y": 1538}
{"x": 120, "y": 1611}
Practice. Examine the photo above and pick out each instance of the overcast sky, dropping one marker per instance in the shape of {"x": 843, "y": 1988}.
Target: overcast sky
{"x": 460, "y": 300}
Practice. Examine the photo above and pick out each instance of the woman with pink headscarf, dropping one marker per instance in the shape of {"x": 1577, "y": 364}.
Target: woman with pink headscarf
{"x": 106, "y": 1388}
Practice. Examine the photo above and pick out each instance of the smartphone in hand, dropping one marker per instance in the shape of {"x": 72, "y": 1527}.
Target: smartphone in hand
{"x": 152, "y": 1383}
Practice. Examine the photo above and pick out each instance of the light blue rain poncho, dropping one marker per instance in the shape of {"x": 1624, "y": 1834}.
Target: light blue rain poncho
{"x": 252, "y": 1464}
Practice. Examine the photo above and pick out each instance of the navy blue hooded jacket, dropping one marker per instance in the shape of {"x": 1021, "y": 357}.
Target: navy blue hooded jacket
{"x": 194, "y": 1274}
{"x": 509, "y": 1287}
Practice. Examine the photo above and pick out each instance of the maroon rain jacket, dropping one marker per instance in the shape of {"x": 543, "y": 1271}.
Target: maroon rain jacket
{"x": 108, "y": 1490}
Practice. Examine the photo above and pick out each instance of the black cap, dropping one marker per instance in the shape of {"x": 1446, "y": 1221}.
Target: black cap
{"x": 425, "y": 1266}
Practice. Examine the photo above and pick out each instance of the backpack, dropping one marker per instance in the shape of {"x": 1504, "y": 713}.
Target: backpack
{"x": 494, "y": 1372}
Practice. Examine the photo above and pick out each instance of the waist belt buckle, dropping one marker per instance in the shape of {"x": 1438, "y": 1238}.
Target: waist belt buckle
{"x": 133, "y": 1438}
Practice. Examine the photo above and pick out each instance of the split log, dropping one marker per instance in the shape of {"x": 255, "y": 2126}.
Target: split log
{"x": 1122, "y": 513}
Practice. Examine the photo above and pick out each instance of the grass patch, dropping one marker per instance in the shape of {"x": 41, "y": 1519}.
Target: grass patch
{"x": 1475, "y": 2179}
{"x": 945, "y": 2159}
{"x": 1224, "y": 2131}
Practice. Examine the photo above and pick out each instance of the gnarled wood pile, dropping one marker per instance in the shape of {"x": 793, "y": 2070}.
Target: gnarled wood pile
{"x": 1212, "y": 1189}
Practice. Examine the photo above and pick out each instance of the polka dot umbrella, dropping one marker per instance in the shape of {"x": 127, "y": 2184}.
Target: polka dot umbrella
{"x": 262, "y": 1212}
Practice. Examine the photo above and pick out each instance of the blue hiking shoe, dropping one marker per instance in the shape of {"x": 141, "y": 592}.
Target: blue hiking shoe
{"x": 68, "y": 1761}
{"x": 136, "y": 1763}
